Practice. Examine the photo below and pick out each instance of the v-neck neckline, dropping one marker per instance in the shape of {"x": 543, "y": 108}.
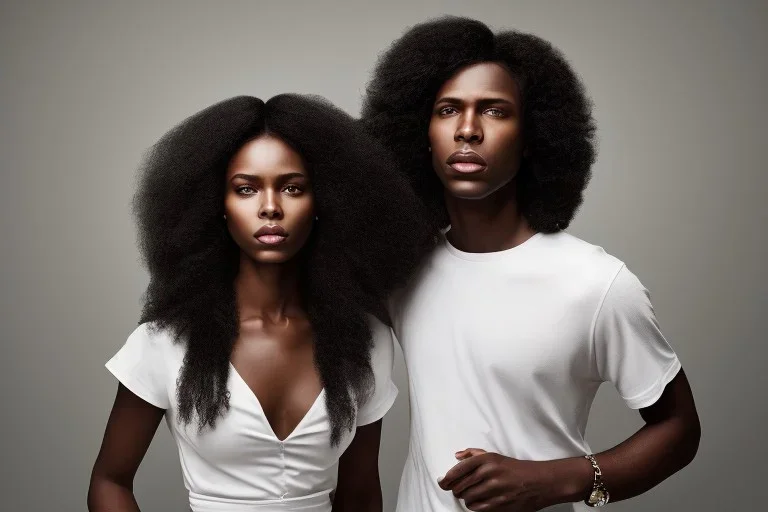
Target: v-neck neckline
{"x": 264, "y": 414}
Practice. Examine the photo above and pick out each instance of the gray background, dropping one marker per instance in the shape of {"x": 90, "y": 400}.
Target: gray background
{"x": 678, "y": 194}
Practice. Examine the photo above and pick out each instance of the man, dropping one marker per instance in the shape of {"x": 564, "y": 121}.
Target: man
{"x": 512, "y": 324}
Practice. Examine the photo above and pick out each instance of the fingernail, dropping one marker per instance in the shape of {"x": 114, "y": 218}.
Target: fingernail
{"x": 439, "y": 479}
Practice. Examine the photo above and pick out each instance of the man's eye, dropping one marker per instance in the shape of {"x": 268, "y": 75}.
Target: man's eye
{"x": 292, "y": 189}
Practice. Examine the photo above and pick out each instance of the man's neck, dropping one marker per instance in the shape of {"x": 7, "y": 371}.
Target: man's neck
{"x": 490, "y": 224}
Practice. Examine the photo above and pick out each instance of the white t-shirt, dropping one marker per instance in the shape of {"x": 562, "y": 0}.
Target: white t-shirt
{"x": 241, "y": 465}
{"x": 506, "y": 350}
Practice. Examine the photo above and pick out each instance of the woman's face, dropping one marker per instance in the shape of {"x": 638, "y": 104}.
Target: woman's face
{"x": 475, "y": 131}
{"x": 268, "y": 200}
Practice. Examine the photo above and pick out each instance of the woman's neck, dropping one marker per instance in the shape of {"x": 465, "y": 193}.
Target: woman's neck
{"x": 267, "y": 291}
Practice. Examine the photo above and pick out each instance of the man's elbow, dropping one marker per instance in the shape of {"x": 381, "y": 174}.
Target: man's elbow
{"x": 691, "y": 439}
{"x": 95, "y": 493}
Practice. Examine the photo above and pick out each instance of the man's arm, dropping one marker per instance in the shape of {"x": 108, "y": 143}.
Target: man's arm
{"x": 667, "y": 443}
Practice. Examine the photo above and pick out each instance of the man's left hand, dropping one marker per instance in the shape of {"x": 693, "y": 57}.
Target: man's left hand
{"x": 489, "y": 481}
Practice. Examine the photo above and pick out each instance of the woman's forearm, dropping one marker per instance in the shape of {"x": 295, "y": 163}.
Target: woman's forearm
{"x": 105, "y": 495}
{"x": 358, "y": 502}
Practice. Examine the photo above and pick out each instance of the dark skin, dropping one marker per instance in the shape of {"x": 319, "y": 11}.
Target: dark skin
{"x": 479, "y": 110}
{"x": 359, "y": 487}
{"x": 267, "y": 184}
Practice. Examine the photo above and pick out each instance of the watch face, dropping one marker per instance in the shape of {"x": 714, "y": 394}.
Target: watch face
{"x": 598, "y": 498}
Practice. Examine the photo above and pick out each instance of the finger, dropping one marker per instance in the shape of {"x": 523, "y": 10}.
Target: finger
{"x": 484, "y": 490}
{"x": 469, "y": 452}
{"x": 461, "y": 485}
{"x": 494, "y": 503}
{"x": 458, "y": 471}
{"x": 463, "y": 454}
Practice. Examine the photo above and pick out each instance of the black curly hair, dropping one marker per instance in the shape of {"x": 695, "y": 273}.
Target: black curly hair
{"x": 558, "y": 129}
{"x": 372, "y": 234}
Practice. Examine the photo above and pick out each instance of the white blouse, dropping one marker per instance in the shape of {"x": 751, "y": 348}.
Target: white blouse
{"x": 241, "y": 465}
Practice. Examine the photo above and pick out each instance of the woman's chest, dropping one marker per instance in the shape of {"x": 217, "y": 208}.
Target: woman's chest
{"x": 244, "y": 438}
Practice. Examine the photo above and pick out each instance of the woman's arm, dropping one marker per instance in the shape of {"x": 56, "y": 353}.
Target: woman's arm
{"x": 132, "y": 425}
{"x": 359, "y": 488}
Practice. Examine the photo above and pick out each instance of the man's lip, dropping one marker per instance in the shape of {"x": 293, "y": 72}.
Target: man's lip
{"x": 466, "y": 157}
{"x": 272, "y": 231}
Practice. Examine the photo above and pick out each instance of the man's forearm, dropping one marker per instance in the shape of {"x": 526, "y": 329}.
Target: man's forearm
{"x": 667, "y": 443}
{"x": 650, "y": 456}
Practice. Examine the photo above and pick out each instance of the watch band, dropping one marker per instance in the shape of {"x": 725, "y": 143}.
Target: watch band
{"x": 599, "y": 495}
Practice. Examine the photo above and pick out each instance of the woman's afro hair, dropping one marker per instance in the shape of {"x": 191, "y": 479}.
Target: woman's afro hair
{"x": 371, "y": 234}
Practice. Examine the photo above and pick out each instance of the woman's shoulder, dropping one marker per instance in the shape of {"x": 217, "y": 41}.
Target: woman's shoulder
{"x": 156, "y": 340}
{"x": 153, "y": 333}
{"x": 380, "y": 331}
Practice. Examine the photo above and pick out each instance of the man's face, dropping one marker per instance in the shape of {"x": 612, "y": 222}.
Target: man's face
{"x": 475, "y": 131}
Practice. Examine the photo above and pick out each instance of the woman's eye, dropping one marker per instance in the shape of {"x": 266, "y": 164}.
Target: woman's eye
{"x": 495, "y": 112}
{"x": 245, "y": 190}
{"x": 446, "y": 111}
{"x": 292, "y": 189}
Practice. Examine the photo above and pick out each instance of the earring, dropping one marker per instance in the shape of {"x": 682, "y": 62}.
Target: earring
{"x": 429, "y": 149}
{"x": 317, "y": 218}
{"x": 225, "y": 216}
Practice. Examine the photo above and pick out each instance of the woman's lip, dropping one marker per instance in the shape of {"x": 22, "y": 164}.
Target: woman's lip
{"x": 271, "y": 239}
{"x": 469, "y": 157}
{"x": 467, "y": 167}
{"x": 271, "y": 230}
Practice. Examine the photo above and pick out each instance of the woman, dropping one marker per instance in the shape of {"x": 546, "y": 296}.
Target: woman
{"x": 272, "y": 231}
{"x": 496, "y": 132}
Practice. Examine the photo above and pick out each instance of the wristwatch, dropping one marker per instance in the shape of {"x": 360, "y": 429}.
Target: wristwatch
{"x": 599, "y": 495}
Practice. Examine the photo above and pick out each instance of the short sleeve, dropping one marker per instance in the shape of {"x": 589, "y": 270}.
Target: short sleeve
{"x": 382, "y": 360}
{"x": 393, "y": 310}
{"x": 140, "y": 365}
{"x": 630, "y": 350}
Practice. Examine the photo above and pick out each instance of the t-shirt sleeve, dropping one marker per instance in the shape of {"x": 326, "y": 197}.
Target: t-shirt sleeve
{"x": 382, "y": 360}
{"x": 140, "y": 365}
{"x": 393, "y": 310}
{"x": 630, "y": 350}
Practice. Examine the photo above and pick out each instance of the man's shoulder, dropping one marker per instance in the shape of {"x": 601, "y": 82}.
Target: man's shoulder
{"x": 575, "y": 249}
{"x": 588, "y": 264}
